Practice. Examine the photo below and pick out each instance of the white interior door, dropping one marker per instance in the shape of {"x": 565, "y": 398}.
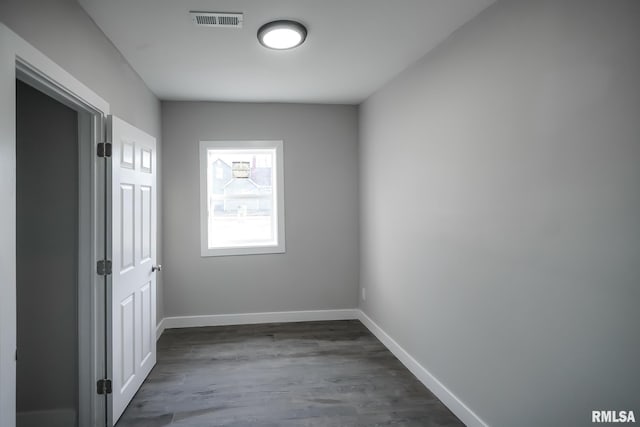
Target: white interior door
{"x": 133, "y": 256}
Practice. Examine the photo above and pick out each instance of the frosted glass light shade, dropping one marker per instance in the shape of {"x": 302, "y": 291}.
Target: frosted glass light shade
{"x": 281, "y": 35}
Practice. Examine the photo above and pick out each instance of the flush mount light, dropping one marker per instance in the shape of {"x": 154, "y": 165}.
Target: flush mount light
{"x": 282, "y": 34}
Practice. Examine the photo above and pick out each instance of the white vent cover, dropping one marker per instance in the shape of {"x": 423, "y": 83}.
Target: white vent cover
{"x": 217, "y": 19}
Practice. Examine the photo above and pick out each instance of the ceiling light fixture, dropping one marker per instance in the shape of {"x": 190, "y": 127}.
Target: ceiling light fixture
{"x": 282, "y": 34}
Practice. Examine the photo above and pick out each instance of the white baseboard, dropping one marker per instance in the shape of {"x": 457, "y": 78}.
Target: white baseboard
{"x": 49, "y": 418}
{"x": 450, "y": 400}
{"x": 255, "y": 318}
{"x": 159, "y": 329}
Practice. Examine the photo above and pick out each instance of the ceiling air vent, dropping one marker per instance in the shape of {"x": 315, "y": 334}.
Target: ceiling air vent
{"x": 217, "y": 19}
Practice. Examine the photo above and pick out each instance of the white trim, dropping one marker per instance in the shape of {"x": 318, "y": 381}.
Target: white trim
{"x": 160, "y": 329}
{"x": 18, "y": 57}
{"x": 255, "y": 318}
{"x": 56, "y": 75}
{"x": 450, "y": 400}
{"x": 49, "y": 418}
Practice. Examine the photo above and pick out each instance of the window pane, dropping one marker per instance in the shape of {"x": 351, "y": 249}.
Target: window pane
{"x": 240, "y": 197}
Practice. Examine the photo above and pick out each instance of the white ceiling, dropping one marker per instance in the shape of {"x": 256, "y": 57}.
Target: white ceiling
{"x": 353, "y": 46}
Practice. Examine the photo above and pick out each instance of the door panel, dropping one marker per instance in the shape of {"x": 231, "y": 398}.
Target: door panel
{"x": 147, "y": 321}
{"x": 127, "y": 219}
{"x": 145, "y": 229}
{"x": 127, "y": 340}
{"x": 134, "y": 243}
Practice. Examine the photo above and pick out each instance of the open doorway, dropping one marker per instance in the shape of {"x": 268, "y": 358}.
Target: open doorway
{"x": 47, "y": 242}
{"x": 60, "y": 323}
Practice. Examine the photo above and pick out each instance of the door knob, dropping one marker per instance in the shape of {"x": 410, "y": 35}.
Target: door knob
{"x": 156, "y": 268}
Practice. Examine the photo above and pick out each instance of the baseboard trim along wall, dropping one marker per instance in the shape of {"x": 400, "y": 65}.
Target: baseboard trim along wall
{"x": 159, "y": 329}
{"x": 255, "y": 318}
{"x": 450, "y": 400}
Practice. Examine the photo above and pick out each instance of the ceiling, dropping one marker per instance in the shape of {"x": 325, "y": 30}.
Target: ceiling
{"x": 352, "y": 49}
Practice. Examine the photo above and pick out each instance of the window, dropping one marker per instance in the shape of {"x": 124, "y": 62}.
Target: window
{"x": 241, "y": 197}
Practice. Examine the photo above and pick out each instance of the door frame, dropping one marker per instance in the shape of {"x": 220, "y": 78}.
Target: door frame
{"x": 21, "y": 61}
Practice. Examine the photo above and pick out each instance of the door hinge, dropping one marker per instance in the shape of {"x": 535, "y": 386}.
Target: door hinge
{"x": 104, "y": 386}
{"x": 104, "y": 149}
{"x": 104, "y": 267}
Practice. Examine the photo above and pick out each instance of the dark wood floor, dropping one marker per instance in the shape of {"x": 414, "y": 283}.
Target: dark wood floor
{"x": 287, "y": 374}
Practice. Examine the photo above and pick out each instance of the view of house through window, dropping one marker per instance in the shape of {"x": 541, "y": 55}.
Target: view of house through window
{"x": 241, "y": 191}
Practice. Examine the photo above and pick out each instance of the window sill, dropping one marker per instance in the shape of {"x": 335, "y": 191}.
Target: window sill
{"x": 254, "y": 250}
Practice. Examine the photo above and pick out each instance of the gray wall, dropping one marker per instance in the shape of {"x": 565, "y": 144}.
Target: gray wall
{"x": 64, "y": 32}
{"x": 320, "y": 268}
{"x": 511, "y": 271}
{"x": 47, "y": 248}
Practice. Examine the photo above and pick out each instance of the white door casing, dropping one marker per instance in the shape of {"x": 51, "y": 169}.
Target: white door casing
{"x": 133, "y": 255}
{"x": 17, "y": 55}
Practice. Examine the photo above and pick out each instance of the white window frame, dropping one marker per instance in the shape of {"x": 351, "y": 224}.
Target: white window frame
{"x": 278, "y": 190}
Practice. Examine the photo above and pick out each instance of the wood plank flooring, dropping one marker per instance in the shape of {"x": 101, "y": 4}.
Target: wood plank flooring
{"x": 285, "y": 374}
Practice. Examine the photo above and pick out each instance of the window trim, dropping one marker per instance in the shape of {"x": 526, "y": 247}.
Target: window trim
{"x": 279, "y": 247}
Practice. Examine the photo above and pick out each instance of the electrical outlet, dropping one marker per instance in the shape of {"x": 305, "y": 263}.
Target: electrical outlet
{"x": 364, "y": 294}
